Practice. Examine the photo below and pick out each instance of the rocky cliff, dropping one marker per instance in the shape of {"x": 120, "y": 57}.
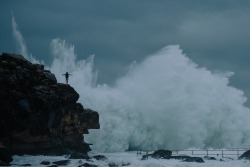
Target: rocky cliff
{"x": 39, "y": 115}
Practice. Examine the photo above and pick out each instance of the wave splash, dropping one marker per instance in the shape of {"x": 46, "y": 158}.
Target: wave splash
{"x": 166, "y": 101}
{"x": 20, "y": 42}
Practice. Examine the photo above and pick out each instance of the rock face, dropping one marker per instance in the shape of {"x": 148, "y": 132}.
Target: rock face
{"x": 39, "y": 115}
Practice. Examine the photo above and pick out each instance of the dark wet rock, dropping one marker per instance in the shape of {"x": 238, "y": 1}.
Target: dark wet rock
{"x": 62, "y": 162}
{"x": 5, "y": 155}
{"x": 159, "y": 154}
{"x": 4, "y": 164}
{"x": 180, "y": 157}
{"x": 45, "y": 163}
{"x": 50, "y": 77}
{"x": 39, "y": 115}
{"x": 209, "y": 158}
{"x": 90, "y": 117}
{"x": 100, "y": 157}
{"x": 145, "y": 157}
{"x": 126, "y": 164}
{"x": 245, "y": 155}
{"x": 25, "y": 165}
{"x": 87, "y": 165}
{"x": 194, "y": 159}
{"x": 78, "y": 156}
{"x": 163, "y": 154}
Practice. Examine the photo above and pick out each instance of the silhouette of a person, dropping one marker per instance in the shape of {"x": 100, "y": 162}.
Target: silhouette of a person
{"x": 67, "y": 77}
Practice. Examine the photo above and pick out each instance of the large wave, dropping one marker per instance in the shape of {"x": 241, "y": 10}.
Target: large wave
{"x": 165, "y": 101}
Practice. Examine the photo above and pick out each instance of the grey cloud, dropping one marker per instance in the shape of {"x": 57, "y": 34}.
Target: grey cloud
{"x": 212, "y": 33}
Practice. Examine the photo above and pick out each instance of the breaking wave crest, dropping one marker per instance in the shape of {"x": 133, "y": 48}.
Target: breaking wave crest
{"x": 165, "y": 101}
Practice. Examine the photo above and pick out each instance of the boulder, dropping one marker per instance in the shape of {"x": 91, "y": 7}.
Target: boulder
{"x": 159, "y": 154}
{"x": 194, "y": 159}
{"x": 209, "y": 158}
{"x": 163, "y": 154}
{"x": 180, "y": 157}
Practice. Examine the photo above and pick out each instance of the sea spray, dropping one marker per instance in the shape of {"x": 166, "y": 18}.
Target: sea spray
{"x": 20, "y": 42}
{"x": 165, "y": 101}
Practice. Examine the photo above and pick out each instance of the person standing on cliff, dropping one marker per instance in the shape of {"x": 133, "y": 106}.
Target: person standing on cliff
{"x": 67, "y": 77}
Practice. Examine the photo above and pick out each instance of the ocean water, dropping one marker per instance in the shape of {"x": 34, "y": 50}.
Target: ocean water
{"x": 129, "y": 159}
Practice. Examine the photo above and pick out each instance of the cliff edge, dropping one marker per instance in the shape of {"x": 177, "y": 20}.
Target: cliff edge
{"x": 39, "y": 115}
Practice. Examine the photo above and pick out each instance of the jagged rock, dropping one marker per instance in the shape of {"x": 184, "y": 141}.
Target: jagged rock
{"x": 194, "y": 159}
{"x": 245, "y": 155}
{"x": 50, "y": 77}
{"x": 90, "y": 117}
{"x": 39, "y": 115}
{"x": 100, "y": 157}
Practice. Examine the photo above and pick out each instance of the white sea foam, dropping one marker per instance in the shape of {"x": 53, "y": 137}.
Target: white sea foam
{"x": 165, "y": 101}
{"x": 129, "y": 159}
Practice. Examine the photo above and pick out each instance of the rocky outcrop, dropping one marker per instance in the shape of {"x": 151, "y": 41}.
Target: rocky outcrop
{"x": 39, "y": 115}
{"x": 159, "y": 154}
{"x": 245, "y": 155}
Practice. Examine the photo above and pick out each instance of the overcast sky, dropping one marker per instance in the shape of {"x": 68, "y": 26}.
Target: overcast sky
{"x": 213, "y": 33}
